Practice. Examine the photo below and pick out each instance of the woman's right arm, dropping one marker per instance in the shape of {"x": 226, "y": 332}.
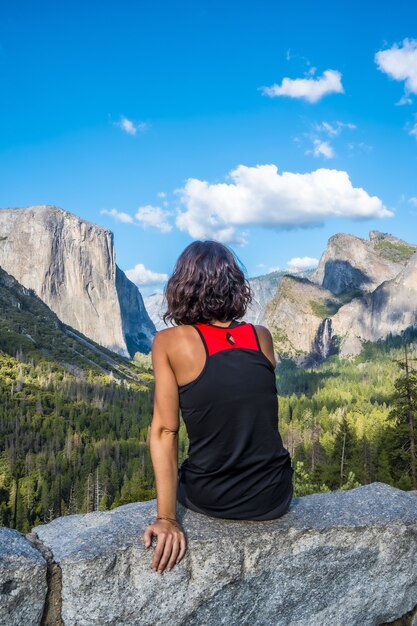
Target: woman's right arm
{"x": 163, "y": 443}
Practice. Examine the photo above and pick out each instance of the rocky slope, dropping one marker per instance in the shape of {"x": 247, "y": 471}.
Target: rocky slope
{"x": 296, "y": 317}
{"x": 28, "y": 325}
{"x": 155, "y": 306}
{"x": 264, "y": 289}
{"x": 350, "y": 262}
{"x": 70, "y": 264}
{"x": 390, "y": 308}
{"x": 361, "y": 290}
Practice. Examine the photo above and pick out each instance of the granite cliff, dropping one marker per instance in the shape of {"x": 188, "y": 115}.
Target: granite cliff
{"x": 295, "y": 314}
{"x": 29, "y": 326}
{"x": 70, "y": 264}
{"x": 362, "y": 290}
{"x": 350, "y": 263}
{"x": 343, "y": 558}
{"x": 390, "y": 308}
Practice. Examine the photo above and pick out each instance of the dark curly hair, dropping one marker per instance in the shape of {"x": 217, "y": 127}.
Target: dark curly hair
{"x": 208, "y": 283}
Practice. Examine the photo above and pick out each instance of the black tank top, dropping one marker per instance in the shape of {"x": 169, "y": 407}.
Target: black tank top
{"x": 237, "y": 466}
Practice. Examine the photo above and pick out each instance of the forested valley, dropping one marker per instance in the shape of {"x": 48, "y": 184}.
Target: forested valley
{"x": 72, "y": 444}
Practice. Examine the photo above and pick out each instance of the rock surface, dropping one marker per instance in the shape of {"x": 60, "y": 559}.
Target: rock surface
{"x": 155, "y": 306}
{"x": 70, "y": 264}
{"x": 362, "y": 290}
{"x": 390, "y": 308}
{"x": 22, "y": 580}
{"x": 345, "y": 558}
{"x": 295, "y": 315}
{"x": 350, "y": 262}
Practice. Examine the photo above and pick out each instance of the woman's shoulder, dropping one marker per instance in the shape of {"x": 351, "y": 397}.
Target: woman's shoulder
{"x": 166, "y": 336}
{"x": 263, "y": 331}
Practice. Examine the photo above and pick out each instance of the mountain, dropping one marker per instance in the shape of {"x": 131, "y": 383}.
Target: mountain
{"x": 263, "y": 287}
{"x": 296, "y": 317}
{"x": 155, "y": 306}
{"x": 350, "y": 262}
{"x": 361, "y": 291}
{"x": 390, "y": 308}
{"x": 29, "y": 326}
{"x": 70, "y": 264}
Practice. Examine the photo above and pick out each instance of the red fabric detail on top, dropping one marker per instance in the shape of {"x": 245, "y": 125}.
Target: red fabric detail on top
{"x": 216, "y": 339}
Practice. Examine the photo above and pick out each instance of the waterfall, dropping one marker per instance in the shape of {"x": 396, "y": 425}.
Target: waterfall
{"x": 323, "y": 343}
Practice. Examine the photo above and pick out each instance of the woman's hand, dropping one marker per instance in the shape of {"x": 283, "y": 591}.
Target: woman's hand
{"x": 171, "y": 544}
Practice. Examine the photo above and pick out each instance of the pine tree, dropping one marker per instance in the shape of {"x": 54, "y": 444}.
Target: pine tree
{"x": 404, "y": 413}
{"x": 344, "y": 458}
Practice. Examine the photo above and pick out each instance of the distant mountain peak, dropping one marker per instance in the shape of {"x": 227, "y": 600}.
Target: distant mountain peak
{"x": 70, "y": 263}
{"x": 377, "y": 235}
{"x": 41, "y": 211}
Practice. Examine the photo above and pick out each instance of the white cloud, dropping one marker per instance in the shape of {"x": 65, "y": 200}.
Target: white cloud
{"x": 119, "y": 216}
{"x": 260, "y": 196}
{"x": 333, "y": 129}
{"x": 322, "y": 148}
{"x": 298, "y": 264}
{"x": 361, "y": 146}
{"x": 130, "y": 127}
{"x": 142, "y": 276}
{"x": 311, "y": 89}
{"x": 161, "y": 194}
{"x": 413, "y": 131}
{"x": 153, "y": 216}
{"x": 404, "y": 100}
{"x": 413, "y": 200}
{"x": 400, "y": 63}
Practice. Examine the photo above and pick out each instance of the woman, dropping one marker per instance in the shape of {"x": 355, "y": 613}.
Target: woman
{"x": 221, "y": 374}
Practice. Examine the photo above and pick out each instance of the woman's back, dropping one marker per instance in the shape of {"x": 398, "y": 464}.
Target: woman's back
{"x": 237, "y": 466}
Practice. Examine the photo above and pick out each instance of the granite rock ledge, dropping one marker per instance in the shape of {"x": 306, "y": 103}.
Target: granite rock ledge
{"x": 345, "y": 558}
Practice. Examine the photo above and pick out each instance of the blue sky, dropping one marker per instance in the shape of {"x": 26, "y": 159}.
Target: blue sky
{"x": 265, "y": 125}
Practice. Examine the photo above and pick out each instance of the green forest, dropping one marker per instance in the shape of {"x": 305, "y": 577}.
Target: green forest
{"x": 71, "y": 445}
{"x": 74, "y": 419}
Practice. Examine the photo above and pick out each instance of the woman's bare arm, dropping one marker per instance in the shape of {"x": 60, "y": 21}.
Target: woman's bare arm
{"x": 164, "y": 428}
{"x": 163, "y": 445}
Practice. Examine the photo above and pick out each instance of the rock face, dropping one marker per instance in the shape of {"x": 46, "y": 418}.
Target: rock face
{"x": 138, "y": 328}
{"x": 344, "y": 558}
{"x": 390, "y": 308}
{"x": 28, "y": 324}
{"x": 296, "y": 317}
{"x": 264, "y": 289}
{"x": 350, "y": 262}
{"x": 155, "y": 306}
{"x": 70, "y": 264}
{"x": 363, "y": 290}
{"x": 22, "y": 580}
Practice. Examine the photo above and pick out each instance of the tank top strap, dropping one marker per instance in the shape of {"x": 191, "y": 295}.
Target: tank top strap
{"x": 255, "y": 334}
{"x": 199, "y": 328}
